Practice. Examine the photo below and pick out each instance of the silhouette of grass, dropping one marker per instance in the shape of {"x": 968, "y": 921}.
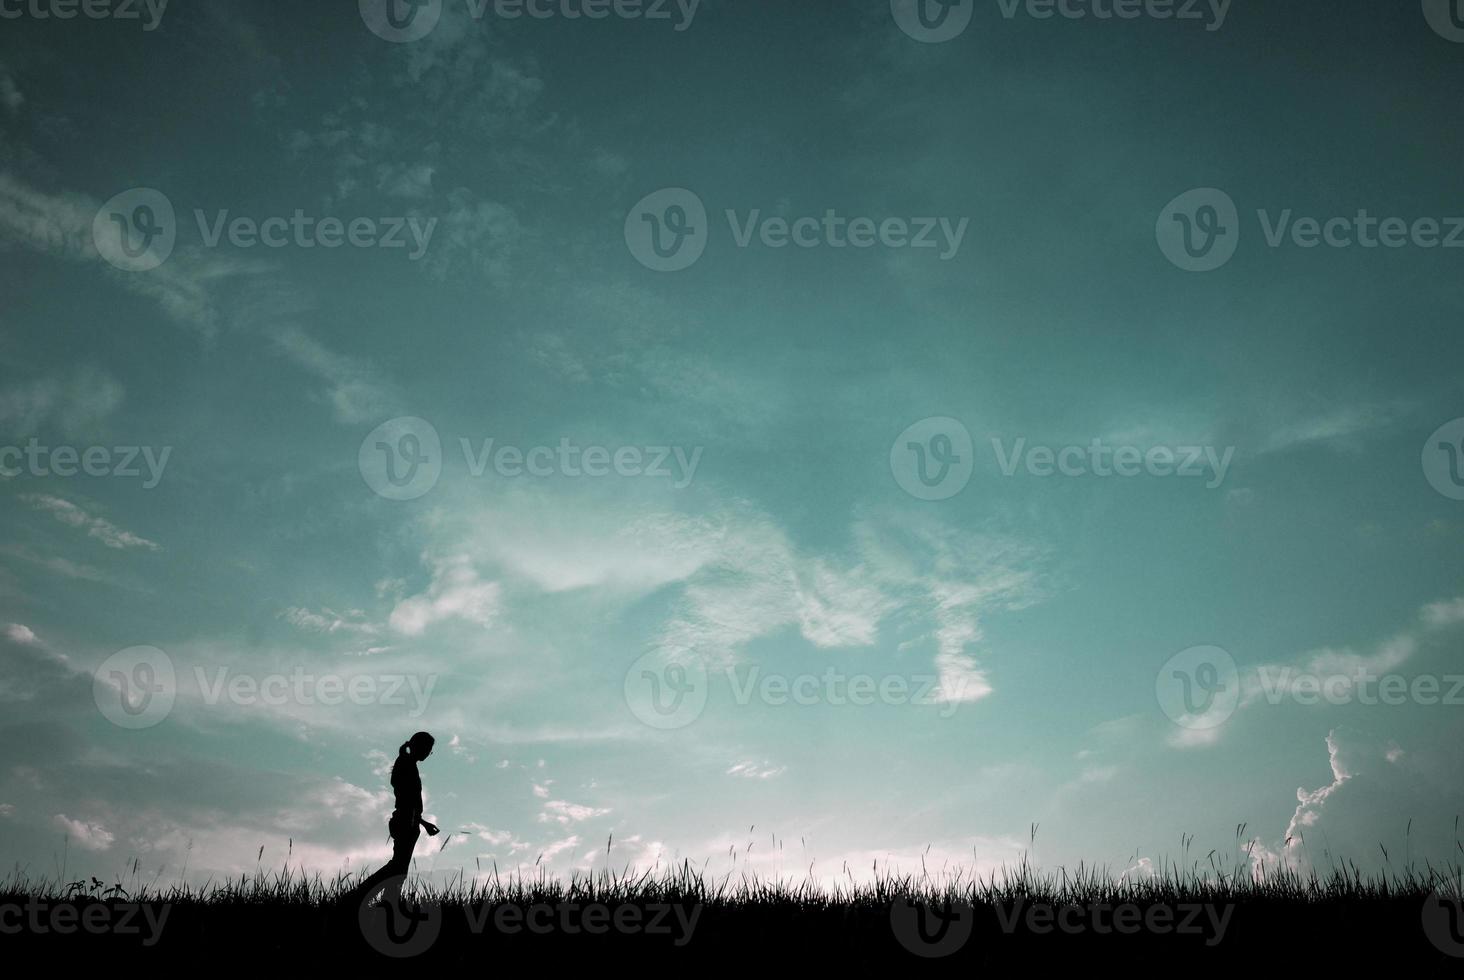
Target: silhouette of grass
{"x": 1280, "y": 915}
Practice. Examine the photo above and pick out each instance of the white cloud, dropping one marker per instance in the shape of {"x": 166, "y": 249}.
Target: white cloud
{"x": 10, "y": 96}
{"x": 90, "y": 836}
{"x": 20, "y": 633}
{"x": 104, "y": 531}
{"x": 61, "y": 225}
{"x": 328, "y": 620}
{"x": 551, "y": 851}
{"x": 1349, "y": 756}
{"x": 565, "y": 813}
{"x": 1444, "y": 613}
{"x": 475, "y": 237}
{"x": 456, "y": 592}
{"x": 756, "y": 770}
{"x": 1337, "y": 427}
{"x": 405, "y": 180}
{"x": 353, "y": 389}
{"x": 77, "y": 403}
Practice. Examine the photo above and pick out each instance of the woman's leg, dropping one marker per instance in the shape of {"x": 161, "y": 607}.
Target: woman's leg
{"x": 404, "y": 842}
{"x": 400, "y": 864}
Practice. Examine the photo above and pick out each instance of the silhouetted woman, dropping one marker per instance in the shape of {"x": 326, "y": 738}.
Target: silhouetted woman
{"x": 406, "y": 824}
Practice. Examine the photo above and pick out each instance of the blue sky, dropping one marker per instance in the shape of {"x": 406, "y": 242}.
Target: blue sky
{"x": 759, "y": 519}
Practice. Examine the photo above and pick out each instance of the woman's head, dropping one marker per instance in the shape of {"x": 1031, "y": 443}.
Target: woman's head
{"x": 419, "y": 746}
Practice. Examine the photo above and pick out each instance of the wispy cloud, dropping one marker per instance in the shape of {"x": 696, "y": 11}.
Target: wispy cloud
{"x": 60, "y": 224}
{"x": 103, "y": 530}
{"x": 456, "y": 592}
{"x": 756, "y": 770}
{"x": 355, "y": 391}
{"x": 77, "y": 402}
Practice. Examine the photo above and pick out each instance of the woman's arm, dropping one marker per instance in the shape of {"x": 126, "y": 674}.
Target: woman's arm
{"x": 431, "y": 828}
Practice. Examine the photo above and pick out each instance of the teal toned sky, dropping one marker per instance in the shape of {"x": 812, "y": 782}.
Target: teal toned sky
{"x": 1032, "y": 617}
